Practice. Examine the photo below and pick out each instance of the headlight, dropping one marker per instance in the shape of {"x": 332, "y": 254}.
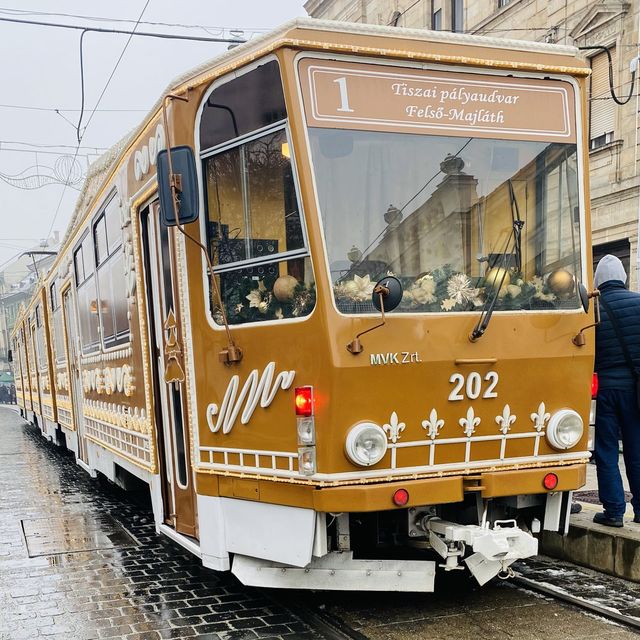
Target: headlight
{"x": 366, "y": 444}
{"x": 565, "y": 429}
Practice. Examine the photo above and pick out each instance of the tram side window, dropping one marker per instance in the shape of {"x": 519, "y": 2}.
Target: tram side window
{"x": 56, "y": 316}
{"x": 40, "y": 343}
{"x": 114, "y": 322}
{"x": 254, "y": 226}
{"x": 87, "y": 295}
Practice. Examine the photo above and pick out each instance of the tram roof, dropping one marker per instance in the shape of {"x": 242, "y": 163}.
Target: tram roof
{"x": 298, "y": 32}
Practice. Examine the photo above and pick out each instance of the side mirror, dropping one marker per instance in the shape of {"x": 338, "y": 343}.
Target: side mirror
{"x": 184, "y": 179}
{"x": 387, "y": 291}
{"x": 584, "y": 297}
{"x": 9, "y": 356}
{"x": 579, "y": 339}
{"x": 386, "y": 296}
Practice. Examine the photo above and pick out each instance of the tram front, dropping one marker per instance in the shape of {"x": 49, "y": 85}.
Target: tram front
{"x": 456, "y": 199}
{"x": 400, "y": 251}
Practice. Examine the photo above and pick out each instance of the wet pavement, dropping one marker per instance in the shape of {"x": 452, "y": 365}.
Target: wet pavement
{"x": 460, "y": 610}
{"x": 80, "y": 559}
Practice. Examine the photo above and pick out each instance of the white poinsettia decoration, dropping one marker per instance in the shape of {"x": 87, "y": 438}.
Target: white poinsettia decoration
{"x": 256, "y": 296}
{"x": 447, "y": 304}
{"x": 358, "y": 289}
{"x": 363, "y": 287}
{"x": 459, "y": 289}
{"x": 538, "y": 285}
{"x": 423, "y": 291}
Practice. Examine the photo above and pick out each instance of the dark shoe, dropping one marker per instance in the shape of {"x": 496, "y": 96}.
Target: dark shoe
{"x": 576, "y": 507}
{"x": 636, "y": 518}
{"x": 602, "y": 518}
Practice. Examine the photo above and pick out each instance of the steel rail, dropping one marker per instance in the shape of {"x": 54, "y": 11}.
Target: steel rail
{"x": 577, "y": 601}
{"x": 330, "y": 627}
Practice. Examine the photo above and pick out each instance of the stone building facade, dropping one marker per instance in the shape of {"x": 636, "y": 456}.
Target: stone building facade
{"x": 614, "y": 156}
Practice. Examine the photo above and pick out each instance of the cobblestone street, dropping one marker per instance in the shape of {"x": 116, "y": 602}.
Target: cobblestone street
{"x": 80, "y": 559}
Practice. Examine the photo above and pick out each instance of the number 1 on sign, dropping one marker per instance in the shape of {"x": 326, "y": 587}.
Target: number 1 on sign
{"x": 344, "y": 96}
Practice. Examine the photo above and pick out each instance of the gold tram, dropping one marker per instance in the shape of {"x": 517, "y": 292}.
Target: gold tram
{"x": 338, "y": 329}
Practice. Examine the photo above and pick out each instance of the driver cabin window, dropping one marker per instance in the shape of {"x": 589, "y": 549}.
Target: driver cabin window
{"x": 254, "y": 225}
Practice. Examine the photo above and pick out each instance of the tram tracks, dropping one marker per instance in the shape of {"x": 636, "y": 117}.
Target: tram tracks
{"x": 583, "y": 590}
{"x": 587, "y": 605}
{"x": 327, "y": 625}
{"x": 566, "y": 583}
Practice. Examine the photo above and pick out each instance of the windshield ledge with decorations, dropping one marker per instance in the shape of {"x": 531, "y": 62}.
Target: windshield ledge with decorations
{"x": 462, "y": 185}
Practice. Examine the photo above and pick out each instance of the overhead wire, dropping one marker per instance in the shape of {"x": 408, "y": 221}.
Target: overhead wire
{"x": 58, "y": 110}
{"x": 80, "y": 135}
{"x": 179, "y": 25}
{"x": 143, "y": 34}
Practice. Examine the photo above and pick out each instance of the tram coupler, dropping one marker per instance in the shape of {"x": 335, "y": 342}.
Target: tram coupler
{"x": 495, "y": 546}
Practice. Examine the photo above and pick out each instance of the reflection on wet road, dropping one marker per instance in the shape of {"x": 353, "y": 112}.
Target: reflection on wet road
{"x": 80, "y": 559}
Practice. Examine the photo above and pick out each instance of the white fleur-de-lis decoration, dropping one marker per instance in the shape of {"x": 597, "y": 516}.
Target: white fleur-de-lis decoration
{"x": 540, "y": 417}
{"x": 394, "y": 428}
{"x": 469, "y": 423}
{"x": 433, "y": 424}
{"x": 506, "y": 419}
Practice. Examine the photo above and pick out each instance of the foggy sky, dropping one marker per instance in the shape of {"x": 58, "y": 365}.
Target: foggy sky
{"x": 40, "y": 68}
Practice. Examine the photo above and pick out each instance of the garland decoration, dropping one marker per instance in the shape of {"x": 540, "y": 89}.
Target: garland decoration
{"x": 251, "y": 300}
{"x": 445, "y": 289}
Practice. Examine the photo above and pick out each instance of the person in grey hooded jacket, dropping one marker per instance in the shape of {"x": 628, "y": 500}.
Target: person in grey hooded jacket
{"x": 617, "y": 403}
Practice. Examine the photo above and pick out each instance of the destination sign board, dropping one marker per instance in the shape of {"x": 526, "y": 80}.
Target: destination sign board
{"x": 345, "y": 95}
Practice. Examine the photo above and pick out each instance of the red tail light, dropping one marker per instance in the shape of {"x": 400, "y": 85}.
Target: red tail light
{"x": 550, "y": 481}
{"x": 594, "y": 386}
{"x": 400, "y": 497}
{"x": 304, "y": 401}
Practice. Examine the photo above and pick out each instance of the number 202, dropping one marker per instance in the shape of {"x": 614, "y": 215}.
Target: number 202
{"x": 472, "y": 386}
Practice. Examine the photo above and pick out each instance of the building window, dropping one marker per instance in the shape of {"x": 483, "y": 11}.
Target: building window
{"x": 503, "y": 3}
{"x": 436, "y": 20}
{"x": 601, "y": 106}
{"x": 457, "y": 16}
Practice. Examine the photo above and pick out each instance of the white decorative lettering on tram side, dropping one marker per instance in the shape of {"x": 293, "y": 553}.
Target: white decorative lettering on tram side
{"x": 262, "y": 388}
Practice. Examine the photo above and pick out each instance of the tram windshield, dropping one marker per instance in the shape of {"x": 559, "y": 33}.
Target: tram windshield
{"x": 439, "y": 212}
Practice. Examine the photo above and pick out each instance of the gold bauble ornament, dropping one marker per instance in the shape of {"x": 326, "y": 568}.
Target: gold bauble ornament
{"x": 497, "y": 277}
{"x": 561, "y": 282}
{"x": 284, "y": 287}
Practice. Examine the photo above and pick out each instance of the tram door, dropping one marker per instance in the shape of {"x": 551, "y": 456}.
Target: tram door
{"x": 75, "y": 383}
{"x": 165, "y": 339}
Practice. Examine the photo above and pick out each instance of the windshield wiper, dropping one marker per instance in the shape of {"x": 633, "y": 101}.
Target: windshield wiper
{"x": 515, "y": 239}
{"x": 517, "y": 225}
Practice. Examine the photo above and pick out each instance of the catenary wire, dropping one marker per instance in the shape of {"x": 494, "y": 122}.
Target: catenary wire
{"x": 144, "y": 34}
{"x": 64, "y": 187}
{"x": 220, "y": 29}
{"x": 24, "y": 107}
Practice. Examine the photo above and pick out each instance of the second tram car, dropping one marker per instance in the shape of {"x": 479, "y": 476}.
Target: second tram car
{"x": 339, "y": 328}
